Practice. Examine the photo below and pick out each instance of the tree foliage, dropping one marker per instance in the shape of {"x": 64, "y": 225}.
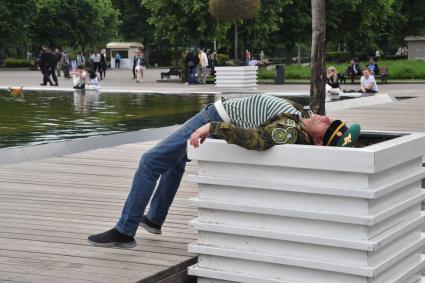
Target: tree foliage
{"x": 79, "y": 24}
{"x": 235, "y": 10}
{"x": 16, "y": 18}
{"x": 134, "y": 21}
{"x": 180, "y": 22}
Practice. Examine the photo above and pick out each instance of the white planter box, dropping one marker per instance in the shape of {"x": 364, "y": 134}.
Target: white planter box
{"x": 297, "y": 213}
{"x": 236, "y": 77}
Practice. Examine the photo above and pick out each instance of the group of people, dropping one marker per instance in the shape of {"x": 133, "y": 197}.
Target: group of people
{"x": 82, "y": 79}
{"x": 51, "y": 64}
{"x": 197, "y": 63}
{"x": 368, "y": 83}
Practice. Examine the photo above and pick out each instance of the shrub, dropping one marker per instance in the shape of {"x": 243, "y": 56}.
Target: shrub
{"x": 265, "y": 74}
{"x": 14, "y": 63}
{"x": 221, "y": 58}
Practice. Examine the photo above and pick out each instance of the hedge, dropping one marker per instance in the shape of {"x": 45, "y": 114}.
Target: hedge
{"x": 10, "y": 62}
{"x": 398, "y": 70}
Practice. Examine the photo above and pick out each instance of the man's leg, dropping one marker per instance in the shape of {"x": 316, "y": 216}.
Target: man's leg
{"x": 158, "y": 161}
{"x": 165, "y": 192}
{"x": 53, "y": 73}
{"x": 204, "y": 75}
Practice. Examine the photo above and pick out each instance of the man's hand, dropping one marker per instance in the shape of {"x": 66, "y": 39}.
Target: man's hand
{"x": 201, "y": 133}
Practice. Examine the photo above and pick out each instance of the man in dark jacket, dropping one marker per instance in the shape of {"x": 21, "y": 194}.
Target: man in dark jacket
{"x": 47, "y": 63}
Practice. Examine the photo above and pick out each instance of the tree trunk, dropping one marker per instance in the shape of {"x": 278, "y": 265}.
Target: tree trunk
{"x": 318, "y": 49}
{"x": 236, "y": 41}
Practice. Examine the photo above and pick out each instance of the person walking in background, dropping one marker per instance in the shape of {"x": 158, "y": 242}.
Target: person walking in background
{"x": 202, "y": 67}
{"x": 372, "y": 66}
{"x": 52, "y": 71}
{"x": 58, "y": 58}
{"x": 117, "y": 60}
{"x": 96, "y": 62}
{"x": 368, "y": 83}
{"x": 140, "y": 66}
{"x": 66, "y": 64}
{"x": 44, "y": 64}
{"x": 80, "y": 59}
{"x": 136, "y": 56}
{"x": 103, "y": 65}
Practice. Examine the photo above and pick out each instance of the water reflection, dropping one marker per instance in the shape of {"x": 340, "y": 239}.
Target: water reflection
{"x": 37, "y": 117}
{"x": 85, "y": 100}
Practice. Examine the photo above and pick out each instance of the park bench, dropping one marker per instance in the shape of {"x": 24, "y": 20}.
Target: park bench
{"x": 172, "y": 72}
{"x": 382, "y": 73}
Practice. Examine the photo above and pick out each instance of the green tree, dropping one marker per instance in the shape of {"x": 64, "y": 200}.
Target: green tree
{"x": 358, "y": 24}
{"x": 16, "y": 18}
{"x": 407, "y": 19}
{"x": 134, "y": 21}
{"x": 234, "y": 11}
{"x": 79, "y": 24}
{"x": 180, "y": 22}
{"x": 295, "y": 27}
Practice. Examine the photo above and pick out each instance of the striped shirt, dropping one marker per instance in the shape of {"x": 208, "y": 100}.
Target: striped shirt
{"x": 252, "y": 111}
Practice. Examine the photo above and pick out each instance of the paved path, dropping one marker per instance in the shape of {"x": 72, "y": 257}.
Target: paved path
{"x": 49, "y": 207}
{"x": 122, "y": 80}
{"x": 406, "y": 115}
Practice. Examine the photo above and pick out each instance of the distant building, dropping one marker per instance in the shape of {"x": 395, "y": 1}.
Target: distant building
{"x": 415, "y": 47}
{"x": 126, "y": 50}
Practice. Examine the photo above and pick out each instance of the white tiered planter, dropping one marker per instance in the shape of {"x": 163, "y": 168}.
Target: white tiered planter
{"x": 297, "y": 213}
{"x": 236, "y": 77}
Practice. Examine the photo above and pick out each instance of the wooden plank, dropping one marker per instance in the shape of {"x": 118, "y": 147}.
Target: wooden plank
{"x": 49, "y": 207}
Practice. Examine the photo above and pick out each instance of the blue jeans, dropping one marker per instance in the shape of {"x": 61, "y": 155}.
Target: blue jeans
{"x": 168, "y": 161}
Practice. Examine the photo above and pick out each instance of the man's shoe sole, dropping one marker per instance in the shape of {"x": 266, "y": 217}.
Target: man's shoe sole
{"x": 150, "y": 229}
{"x": 114, "y": 244}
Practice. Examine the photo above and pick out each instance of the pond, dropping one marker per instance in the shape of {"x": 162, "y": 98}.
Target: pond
{"x": 39, "y": 117}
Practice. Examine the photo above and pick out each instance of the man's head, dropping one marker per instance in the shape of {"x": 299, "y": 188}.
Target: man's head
{"x": 366, "y": 73}
{"x": 326, "y": 131}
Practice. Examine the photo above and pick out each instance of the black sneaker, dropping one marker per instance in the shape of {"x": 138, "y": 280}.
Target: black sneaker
{"x": 149, "y": 226}
{"x": 112, "y": 238}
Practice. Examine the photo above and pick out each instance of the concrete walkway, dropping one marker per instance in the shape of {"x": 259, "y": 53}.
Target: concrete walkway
{"x": 121, "y": 80}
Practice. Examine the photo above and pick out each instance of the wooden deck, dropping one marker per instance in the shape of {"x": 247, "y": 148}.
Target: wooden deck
{"x": 49, "y": 207}
{"x": 406, "y": 116}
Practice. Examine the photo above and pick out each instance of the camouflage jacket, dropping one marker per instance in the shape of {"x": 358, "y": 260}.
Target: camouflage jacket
{"x": 280, "y": 129}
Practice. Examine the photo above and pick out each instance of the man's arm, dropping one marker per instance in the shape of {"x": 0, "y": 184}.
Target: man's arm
{"x": 260, "y": 138}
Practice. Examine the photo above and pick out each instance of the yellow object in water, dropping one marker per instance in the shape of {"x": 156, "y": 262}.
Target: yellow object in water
{"x": 15, "y": 90}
